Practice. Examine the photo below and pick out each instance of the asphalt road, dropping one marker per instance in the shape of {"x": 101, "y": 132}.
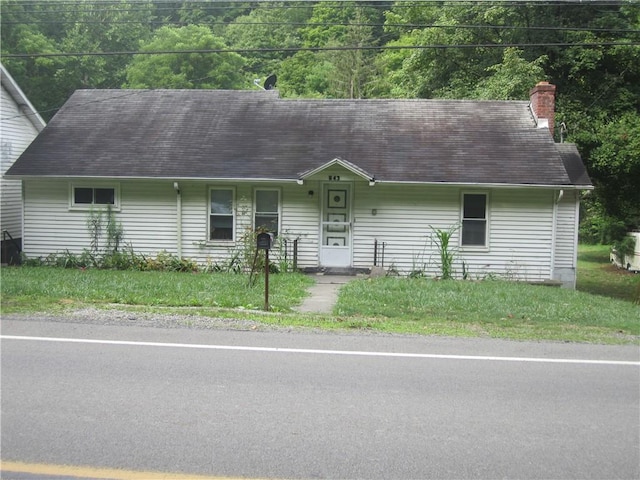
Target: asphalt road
{"x": 290, "y": 405}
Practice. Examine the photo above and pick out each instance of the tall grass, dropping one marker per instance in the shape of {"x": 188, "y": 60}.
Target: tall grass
{"x": 487, "y": 302}
{"x": 46, "y": 285}
{"x": 390, "y": 304}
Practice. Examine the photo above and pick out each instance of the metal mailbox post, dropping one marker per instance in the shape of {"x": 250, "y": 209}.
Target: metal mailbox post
{"x": 264, "y": 241}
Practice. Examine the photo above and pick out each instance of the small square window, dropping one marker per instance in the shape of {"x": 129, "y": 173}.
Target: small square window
{"x": 83, "y": 195}
{"x": 104, "y": 196}
{"x": 475, "y": 206}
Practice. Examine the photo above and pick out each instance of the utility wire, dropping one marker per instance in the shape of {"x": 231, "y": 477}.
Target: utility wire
{"x": 321, "y": 49}
{"x": 307, "y": 4}
{"x": 341, "y": 24}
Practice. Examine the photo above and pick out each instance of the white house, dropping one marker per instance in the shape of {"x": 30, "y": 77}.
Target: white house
{"x": 20, "y": 123}
{"x": 355, "y": 182}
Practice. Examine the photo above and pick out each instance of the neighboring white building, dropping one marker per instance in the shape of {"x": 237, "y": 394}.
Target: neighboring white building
{"x": 19, "y": 125}
{"x": 190, "y": 171}
{"x": 629, "y": 261}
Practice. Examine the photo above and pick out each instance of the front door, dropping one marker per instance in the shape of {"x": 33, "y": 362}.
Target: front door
{"x": 335, "y": 249}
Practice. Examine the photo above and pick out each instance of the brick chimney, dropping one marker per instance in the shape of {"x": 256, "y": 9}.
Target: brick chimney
{"x": 543, "y": 103}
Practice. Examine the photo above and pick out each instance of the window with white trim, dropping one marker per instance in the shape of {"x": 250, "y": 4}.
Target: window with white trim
{"x": 221, "y": 213}
{"x": 267, "y": 210}
{"x": 85, "y": 196}
{"x": 474, "y": 220}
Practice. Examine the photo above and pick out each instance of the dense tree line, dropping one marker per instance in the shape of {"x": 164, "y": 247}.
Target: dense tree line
{"x": 361, "y": 49}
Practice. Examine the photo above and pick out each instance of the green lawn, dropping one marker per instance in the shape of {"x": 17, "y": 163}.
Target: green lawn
{"x": 597, "y": 276}
{"x": 602, "y": 310}
{"x": 45, "y": 288}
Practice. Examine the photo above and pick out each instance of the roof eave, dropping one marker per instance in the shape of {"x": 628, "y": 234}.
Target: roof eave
{"x": 21, "y": 100}
{"x": 491, "y": 185}
{"x": 371, "y": 180}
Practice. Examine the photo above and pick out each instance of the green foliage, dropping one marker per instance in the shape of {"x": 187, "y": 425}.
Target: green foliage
{"x": 391, "y": 304}
{"x": 510, "y": 80}
{"x": 125, "y": 259}
{"x": 185, "y": 70}
{"x": 625, "y": 246}
{"x": 442, "y": 240}
{"x": 104, "y": 222}
{"x": 84, "y": 26}
{"x": 597, "y": 276}
{"x": 271, "y": 26}
{"x": 28, "y": 289}
{"x": 94, "y": 226}
{"x": 596, "y": 226}
{"x": 598, "y": 85}
{"x": 615, "y": 165}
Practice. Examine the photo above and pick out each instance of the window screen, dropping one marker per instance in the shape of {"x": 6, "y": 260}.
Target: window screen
{"x": 474, "y": 219}
{"x": 221, "y": 214}
{"x": 267, "y": 208}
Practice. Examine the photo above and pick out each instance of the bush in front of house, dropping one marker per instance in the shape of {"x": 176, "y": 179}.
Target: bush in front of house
{"x": 119, "y": 260}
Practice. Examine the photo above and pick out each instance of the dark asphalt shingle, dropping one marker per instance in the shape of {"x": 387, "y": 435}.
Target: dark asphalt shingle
{"x": 218, "y": 134}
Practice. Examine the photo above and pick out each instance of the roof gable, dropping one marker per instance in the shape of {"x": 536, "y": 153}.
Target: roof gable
{"x": 20, "y": 99}
{"x": 255, "y": 135}
{"x": 341, "y": 163}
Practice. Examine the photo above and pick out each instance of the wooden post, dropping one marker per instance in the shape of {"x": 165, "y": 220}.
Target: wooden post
{"x": 266, "y": 280}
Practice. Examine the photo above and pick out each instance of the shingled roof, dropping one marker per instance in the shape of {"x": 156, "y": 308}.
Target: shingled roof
{"x": 223, "y": 134}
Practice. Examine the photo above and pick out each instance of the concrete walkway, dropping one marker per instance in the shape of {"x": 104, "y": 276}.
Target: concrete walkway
{"x": 324, "y": 294}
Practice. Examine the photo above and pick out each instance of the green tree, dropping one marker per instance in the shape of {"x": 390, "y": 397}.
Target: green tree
{"x": 510, "y": 80}
{"x": 353, "y": 68}
{"x": 615, "y": 167}
{"x": 185, "y": 70}
{"x": 435, "y": 72}
{"x": 271, "y": 26}
{"x": 95, "y": 27}
{"x": 80, "y": 27}
{"x": 345, "y": 70}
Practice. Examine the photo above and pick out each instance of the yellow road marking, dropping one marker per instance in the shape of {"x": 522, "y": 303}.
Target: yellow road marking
{"x": 102, "y": 473}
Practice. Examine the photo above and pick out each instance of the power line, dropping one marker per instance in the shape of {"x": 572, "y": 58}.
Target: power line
{"x": 320, "y": 49}
{"x": 345, "y": 24}
{"x": 308, "y": 4}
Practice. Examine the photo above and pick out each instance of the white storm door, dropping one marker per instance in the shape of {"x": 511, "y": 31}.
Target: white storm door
{"x": 336, "y": 231}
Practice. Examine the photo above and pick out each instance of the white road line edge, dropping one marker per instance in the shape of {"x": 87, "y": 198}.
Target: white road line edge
{"x": 321, "y": 352}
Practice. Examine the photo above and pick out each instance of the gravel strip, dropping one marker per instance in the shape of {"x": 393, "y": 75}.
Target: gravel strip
{"x": 97, "y": 316}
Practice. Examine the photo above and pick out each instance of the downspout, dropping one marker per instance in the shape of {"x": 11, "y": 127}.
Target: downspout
{"x": 176, "y": 187}
{"x": 576, "y": 230}
{"x": 554, "y": 232}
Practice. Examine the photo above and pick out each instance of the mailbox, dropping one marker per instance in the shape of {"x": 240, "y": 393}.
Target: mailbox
{"x": 264, "y": 241}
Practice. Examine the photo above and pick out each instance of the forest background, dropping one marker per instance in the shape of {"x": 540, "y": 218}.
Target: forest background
{"x": 498, "y": 50}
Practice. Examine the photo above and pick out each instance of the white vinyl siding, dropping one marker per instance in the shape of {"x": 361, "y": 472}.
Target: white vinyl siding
{"x": 16, "y": 133}
{"x": 519, "y": 241}
{"x": 402, "y": 221}
{"x": 519, "y": 246}
{"x": 147, "y": 215}
{"x": 566, "y": 239}
{"x": 299, "y": 221}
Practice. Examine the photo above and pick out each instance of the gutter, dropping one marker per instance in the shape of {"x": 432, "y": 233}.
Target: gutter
{"x": 297, "y": 181}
